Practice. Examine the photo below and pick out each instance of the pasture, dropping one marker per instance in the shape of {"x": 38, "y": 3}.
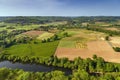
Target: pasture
{"x": 30, "y": 49}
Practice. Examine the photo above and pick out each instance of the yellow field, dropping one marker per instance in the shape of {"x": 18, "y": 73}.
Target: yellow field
{"x": 79, "y": 38}
{"x": 45, "y": 35}
{"x": 115, "y": 41}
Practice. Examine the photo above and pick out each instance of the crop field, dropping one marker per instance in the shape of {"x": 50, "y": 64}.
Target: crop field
{"x": 45, "y": 35}
{"x": 79, "y": 38}
{"x": 115, "y": 41}
{"x": 85, "y": 44}
{"x": 80, "y": 44}
{"x": 39, "y": 49}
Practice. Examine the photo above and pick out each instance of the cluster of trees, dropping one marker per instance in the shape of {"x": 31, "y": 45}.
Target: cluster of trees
{"x": 5, "y": 34}
{"x": 10, "y": 27}
{"x": 3, "y": 25}
{"x": 50, "y": 61}
{"x": 117, "y": 49}
{"x": 57, "y": 18}
{"x": 23, "y": 39}
{"x": 8, "y": 38}
{"x": 103, "y": 30}
{"x": 93, "y": 19}
{"x": 55, "y": 37}
{"x": 26, "y": 20}
{"x": 3, "y": 18}
{"x": 96, "y": 65}
{"x": 83, "y": 75}
{"x": 107, "y": 38}
{"x": 83, "y": 69}
{"x": 8, "y": 74}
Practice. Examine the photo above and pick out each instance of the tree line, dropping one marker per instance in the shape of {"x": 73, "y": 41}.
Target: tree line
{"x": 82, "y": 69}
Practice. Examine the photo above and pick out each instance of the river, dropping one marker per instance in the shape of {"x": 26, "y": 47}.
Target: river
{"x": 33, "y": 67}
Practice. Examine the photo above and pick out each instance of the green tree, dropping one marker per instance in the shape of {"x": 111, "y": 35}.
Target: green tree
{"x": 24, "y": 76}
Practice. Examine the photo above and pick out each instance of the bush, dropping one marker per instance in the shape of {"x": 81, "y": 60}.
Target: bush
{"x": 117, "y": 49}
{"x": 107, "y": 38}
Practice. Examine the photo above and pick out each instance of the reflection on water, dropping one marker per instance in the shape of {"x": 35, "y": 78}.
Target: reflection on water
{"x": 33, "y": 67}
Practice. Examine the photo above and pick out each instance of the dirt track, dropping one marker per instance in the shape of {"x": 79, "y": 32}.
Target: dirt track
{"x": 100, "y": 48}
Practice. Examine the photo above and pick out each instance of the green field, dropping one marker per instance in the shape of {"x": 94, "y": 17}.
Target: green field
{"x": 39, "y": 49}
{"x": 68, "y": 44}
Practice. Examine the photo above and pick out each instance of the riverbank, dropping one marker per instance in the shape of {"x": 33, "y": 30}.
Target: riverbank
{"x": 33, "y": 67}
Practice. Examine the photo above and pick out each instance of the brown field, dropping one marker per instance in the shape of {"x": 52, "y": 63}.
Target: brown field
{"x": 100, "y": 48}
{"x": 99, "y": 22}
{"x": 54, "y": 31}
{"x": 33, "y": 33}
{"x": 112, "y": 29}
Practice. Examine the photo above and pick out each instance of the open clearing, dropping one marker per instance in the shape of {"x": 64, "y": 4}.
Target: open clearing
{"x": 90, "y": 43}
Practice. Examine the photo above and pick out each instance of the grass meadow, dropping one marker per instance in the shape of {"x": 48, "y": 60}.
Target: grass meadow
{"x": 39, "y": 49}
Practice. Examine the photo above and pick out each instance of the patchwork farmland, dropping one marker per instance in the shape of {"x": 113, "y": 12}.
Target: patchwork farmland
{"x": 85, "y": 44}
{"x": 61, "y": 48}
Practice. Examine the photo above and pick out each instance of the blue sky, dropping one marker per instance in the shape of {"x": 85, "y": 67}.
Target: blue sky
{"x": 59, "y": 7}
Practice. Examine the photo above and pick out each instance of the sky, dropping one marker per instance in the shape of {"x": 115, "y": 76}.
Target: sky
{"x": 59, "y": 7}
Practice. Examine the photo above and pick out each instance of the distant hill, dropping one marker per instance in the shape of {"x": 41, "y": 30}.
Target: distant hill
{"x": 34, "y": 19}
{"x": 47, "y": 19}
{"x": 3, "y": 18}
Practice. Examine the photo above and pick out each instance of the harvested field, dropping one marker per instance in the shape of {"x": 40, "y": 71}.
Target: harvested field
{"x": 54, "y": 31}
{"x": 33, "y": 33}
{"x": 45, "y": 35}
{"x": 100, "y": 48}
{"x": 115, "y": 41}
{"x": 112, "y": 29}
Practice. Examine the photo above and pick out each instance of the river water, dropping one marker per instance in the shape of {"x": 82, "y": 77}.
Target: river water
{"x": 33, "y": 67}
